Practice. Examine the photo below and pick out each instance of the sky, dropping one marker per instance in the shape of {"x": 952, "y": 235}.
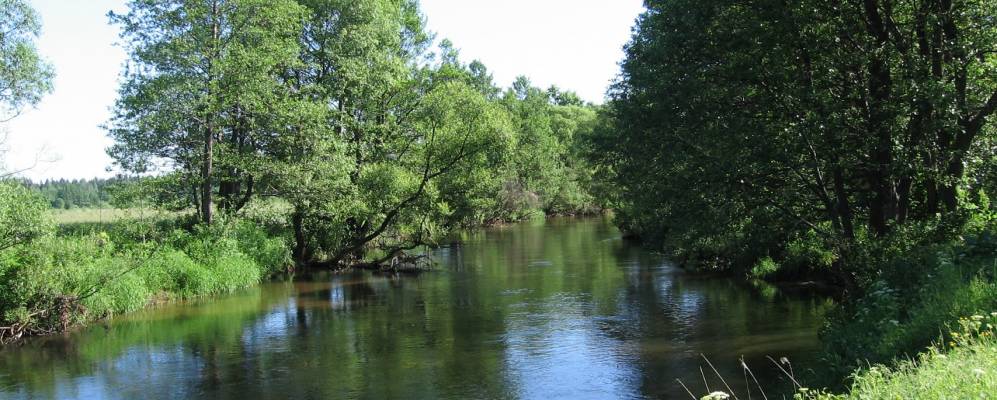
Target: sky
{"x": 574, "y": 44}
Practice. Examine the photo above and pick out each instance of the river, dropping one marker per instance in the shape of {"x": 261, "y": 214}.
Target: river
{"x": 562, "y": 309}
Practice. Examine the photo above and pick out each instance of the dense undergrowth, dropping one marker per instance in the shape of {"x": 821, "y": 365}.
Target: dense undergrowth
{"x": 910, "y": 300}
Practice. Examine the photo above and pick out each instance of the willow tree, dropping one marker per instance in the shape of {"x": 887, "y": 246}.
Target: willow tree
{"x": 371, "y": 180}
{"x": 203, "y": 80}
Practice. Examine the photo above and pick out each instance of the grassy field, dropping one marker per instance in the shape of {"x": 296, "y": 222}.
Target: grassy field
{"x": 103, "y": 215}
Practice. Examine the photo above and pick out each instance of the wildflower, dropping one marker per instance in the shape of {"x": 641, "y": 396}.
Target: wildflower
{"x": 716, "y": 396}
{"x": 977, "y": 318}
{"x": 978, "y": 372}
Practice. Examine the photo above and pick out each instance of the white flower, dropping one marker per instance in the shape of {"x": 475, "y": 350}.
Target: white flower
{"x": 716, "y": 396}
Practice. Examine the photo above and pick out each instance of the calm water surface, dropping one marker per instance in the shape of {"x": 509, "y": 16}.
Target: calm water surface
{"x": 556, "y": 310}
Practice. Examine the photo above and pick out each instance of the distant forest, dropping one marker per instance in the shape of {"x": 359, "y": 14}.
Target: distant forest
{"x": 68, "y": 194}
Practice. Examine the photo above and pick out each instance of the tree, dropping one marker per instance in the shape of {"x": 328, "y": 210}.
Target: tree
{"x": 204, "y": 79}
{"x": 739, "y": 125}
{"x": 24, "y": 76}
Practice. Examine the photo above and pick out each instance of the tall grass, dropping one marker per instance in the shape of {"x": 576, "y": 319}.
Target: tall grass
{"x": 64, "y": 280}
{"x": 965, "y": 367}
{"x": 105, "y": 215}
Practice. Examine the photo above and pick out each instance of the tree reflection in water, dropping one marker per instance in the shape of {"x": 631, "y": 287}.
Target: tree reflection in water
{"x": 562, "y": 309}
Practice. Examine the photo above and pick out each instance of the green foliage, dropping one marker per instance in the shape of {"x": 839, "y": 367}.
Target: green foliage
{"x": 83, "y": 275}
{"x": 965, "y": 367}
{"x": 24, "y": 76}
{"x": 271, "y": 253}
{"x": 68, "y": 194}
{"x": 764, "y": 269}
{"x": 336, "y": 108}
{"x": 22, "y": 215}
{"x": 913, "y": 299}
{"x": 205, "y": 93}
{"x": 813, "y": 117}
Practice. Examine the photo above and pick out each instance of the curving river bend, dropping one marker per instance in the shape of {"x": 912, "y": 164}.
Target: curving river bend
{"x": 555, "y": 310}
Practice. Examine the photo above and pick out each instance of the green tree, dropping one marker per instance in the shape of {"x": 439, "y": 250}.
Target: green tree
{"x": 24, "y": 76}
{"x": 738, "y": 126}
{"x": 204, "y": 79}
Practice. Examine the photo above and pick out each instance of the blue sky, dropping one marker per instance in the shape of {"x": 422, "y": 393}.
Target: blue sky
{"x": 574, "y": 44}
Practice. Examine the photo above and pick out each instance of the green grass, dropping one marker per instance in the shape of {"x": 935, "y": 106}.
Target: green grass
{"x": 964, "y": 368}
{"x": 83, "y": 275}
{"x": 104, "y": 215}
{"x": 965, "y": 373}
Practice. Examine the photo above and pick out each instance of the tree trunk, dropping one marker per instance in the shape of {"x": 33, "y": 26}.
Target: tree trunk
{"x": 301, "y": 254}
{"x": 206, "y": 184}
{"x": 209, "y": 135}
{"x": 883, "y": 205}
{"x": 844, "y": 208}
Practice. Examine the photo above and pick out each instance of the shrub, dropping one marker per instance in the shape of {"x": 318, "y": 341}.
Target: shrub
{"x": 271, "y": 253}
{"x": 764, "y": 268}
{"x": 23, "y": 215}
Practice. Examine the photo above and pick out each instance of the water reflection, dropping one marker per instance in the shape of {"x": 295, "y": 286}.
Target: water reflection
{"x": 557, "y": 310}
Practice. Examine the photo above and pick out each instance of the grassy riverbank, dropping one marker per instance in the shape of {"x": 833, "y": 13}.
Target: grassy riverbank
{"x": 90, "y": 270}
{"x": 940, "y": 297}
{"x": 965, "y": 367}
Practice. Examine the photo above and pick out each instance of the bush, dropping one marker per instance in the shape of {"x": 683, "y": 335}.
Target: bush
{"x": 271, "y": 253}
{"x": 764, "y": 268}
{"x": 23, "y": 215}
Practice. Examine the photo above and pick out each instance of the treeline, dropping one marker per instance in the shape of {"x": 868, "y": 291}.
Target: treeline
{"x": 82, "y": 193}
{"x": 849, "y": 141}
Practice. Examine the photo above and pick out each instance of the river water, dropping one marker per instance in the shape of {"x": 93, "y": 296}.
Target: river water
{"x": 562, "y": 309}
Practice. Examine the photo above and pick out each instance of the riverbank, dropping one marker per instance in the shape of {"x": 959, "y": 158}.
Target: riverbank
{"x": 905, "y": 296}
{"x": 81, "y": 270}
{"x": 556, "y": 309}
{"x": 89, "y": 272}
{"x": 963, "y": 369}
